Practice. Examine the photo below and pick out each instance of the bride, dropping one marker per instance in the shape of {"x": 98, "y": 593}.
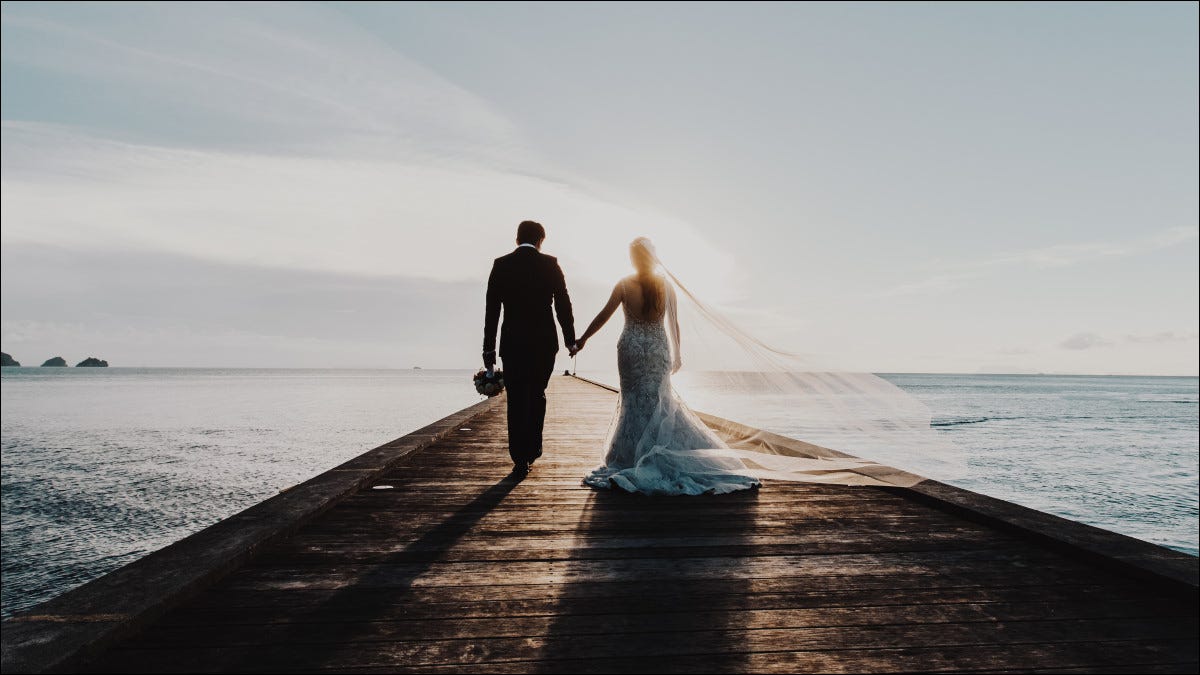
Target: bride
{"x": 656, "y": 445}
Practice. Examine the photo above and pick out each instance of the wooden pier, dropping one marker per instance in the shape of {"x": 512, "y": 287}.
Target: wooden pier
{"x": 426, "y": 556}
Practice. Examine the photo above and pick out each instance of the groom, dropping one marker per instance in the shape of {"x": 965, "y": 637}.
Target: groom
{"x": 525, "y": 282}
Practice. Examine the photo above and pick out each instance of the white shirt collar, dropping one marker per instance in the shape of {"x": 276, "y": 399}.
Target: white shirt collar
{"x": 529, "y": 245}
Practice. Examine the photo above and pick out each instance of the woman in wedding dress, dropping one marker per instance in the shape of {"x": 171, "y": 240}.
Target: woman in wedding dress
{"x": 656, "y": 444}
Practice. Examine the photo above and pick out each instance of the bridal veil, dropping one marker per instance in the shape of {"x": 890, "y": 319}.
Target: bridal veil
{"x": 841, "y": 427}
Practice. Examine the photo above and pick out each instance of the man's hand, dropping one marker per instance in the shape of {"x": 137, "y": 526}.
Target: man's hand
{"x": 576, "y": 348}
{"x": 489, "y": 360}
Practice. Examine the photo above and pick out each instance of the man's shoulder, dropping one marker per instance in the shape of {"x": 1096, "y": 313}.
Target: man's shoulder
{"x": 514, "y": 258}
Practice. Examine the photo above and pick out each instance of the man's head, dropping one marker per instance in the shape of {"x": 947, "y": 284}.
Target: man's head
{"x": 529, "y": 232}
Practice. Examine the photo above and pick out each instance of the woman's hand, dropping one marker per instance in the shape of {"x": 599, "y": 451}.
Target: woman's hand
{"x": 676, "y": 364}
{"x": 578, "y": 346}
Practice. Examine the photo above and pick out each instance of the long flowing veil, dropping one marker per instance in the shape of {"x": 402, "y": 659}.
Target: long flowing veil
{"x": 835, "y": 426}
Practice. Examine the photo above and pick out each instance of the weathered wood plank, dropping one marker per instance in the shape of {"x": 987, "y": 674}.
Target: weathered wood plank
{"x": 741, "y": 613}
{"x": 311, "y": 551}
{"x": 1171, "y": 643}
{"x": 1141, "y": 656}
{"x": 823, "y": 589}
{"x": 936, "y": 563}
{"x": 460, "y": 567}
{"x": 257, "y": 607}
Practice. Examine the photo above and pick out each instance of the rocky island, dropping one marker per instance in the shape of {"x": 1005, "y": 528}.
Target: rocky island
{"x": 92, "y": 362}
{"x": 56, "y": 362}
{"x": 7, "y": 361}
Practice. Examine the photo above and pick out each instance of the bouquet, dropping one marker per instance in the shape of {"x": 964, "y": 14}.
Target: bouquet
{"x": 489, "y": 385}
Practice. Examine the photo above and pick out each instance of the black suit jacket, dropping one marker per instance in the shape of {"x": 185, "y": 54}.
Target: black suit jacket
{"x": 526, "y": 282}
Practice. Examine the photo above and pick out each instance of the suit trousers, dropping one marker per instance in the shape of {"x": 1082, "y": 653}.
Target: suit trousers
{"x": 526, "y": 377}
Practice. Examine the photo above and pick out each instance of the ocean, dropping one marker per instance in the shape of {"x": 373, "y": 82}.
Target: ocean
{"x": 101, "y": 466}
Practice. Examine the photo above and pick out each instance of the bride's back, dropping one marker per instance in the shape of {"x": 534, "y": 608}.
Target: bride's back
{"x": 644, "y": 298}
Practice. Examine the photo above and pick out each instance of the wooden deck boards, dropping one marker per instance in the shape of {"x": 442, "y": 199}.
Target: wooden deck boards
{"x": 461, "y": 568}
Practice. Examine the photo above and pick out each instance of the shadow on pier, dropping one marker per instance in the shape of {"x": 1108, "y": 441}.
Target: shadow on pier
{"x": 458, "y": 567}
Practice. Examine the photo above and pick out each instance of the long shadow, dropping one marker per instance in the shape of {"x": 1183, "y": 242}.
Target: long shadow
{"x": 376, "y": 594}
{"x": 670, "y": 583}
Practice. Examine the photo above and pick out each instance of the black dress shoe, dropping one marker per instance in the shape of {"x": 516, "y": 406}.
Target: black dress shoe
{"x": 520, "y": 468}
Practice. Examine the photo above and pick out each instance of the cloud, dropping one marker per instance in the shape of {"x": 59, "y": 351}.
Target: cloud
{"x": 155, "y": 309}
{"x": 1063, "y": 255}
{"x": 1060, "y": 255}
{"x": 302, "y": 142}
{"x": 1164, "y": 337}
{"x": 301, "y": 195}
{"x": 1080, "y": 341}
{"x": 1005, "y": 369}
{"x": 283, "y": 76}
{"x": 372, "y": 217}
{"x": 930, "y": 286}
{"x": 1015, "y": 351}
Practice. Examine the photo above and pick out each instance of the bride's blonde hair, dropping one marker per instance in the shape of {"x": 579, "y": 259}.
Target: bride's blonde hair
{"x": 641, "y": 253}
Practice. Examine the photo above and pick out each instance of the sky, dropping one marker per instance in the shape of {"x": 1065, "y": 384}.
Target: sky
{"x": 892, "y": 187}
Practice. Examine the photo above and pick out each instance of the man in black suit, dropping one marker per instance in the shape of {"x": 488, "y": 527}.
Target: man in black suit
{"x": 526, "y": 282}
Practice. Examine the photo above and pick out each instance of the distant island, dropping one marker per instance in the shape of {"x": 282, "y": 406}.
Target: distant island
{"x": 56, "y": 362}
{"x": 7, "y": 361}
{"x": 92, "y": 362}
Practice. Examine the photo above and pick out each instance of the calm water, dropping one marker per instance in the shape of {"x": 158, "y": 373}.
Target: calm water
{"x": 102, "y": 466}
{"x": 1116, "y": 452}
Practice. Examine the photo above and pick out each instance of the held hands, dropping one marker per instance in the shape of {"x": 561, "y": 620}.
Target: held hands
{"x": 576, "y": 348}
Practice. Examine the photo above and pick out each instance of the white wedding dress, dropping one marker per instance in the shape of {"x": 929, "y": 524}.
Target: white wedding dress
{"x": 656, "y": 445}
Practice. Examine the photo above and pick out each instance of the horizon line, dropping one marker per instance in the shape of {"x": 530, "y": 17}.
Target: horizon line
{"x": 462, "y": 369}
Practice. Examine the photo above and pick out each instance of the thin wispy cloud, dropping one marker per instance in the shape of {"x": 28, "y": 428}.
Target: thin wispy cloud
{"x": 1163, "y": 338}
{"x": 266, "y": 77}
{"x": 319, "y": 147}
{"x": 334, "y": 214}
{"x": 1059, "y": 255}
{"x": 1080, "y": 341}
{"x": 1015, "y": 351}
{"x": 323, "y": 144}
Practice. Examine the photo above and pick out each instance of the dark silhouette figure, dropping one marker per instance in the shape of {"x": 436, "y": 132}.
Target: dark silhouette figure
{"x": 526, "y": 283}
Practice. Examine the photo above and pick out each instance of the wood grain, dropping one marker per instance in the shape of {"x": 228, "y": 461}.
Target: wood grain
{"x": 459, "y": 567}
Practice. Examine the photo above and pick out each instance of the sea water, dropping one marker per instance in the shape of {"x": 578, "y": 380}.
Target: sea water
{"x": 101, "y": 466}
{"x": 1119, "y": 453}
